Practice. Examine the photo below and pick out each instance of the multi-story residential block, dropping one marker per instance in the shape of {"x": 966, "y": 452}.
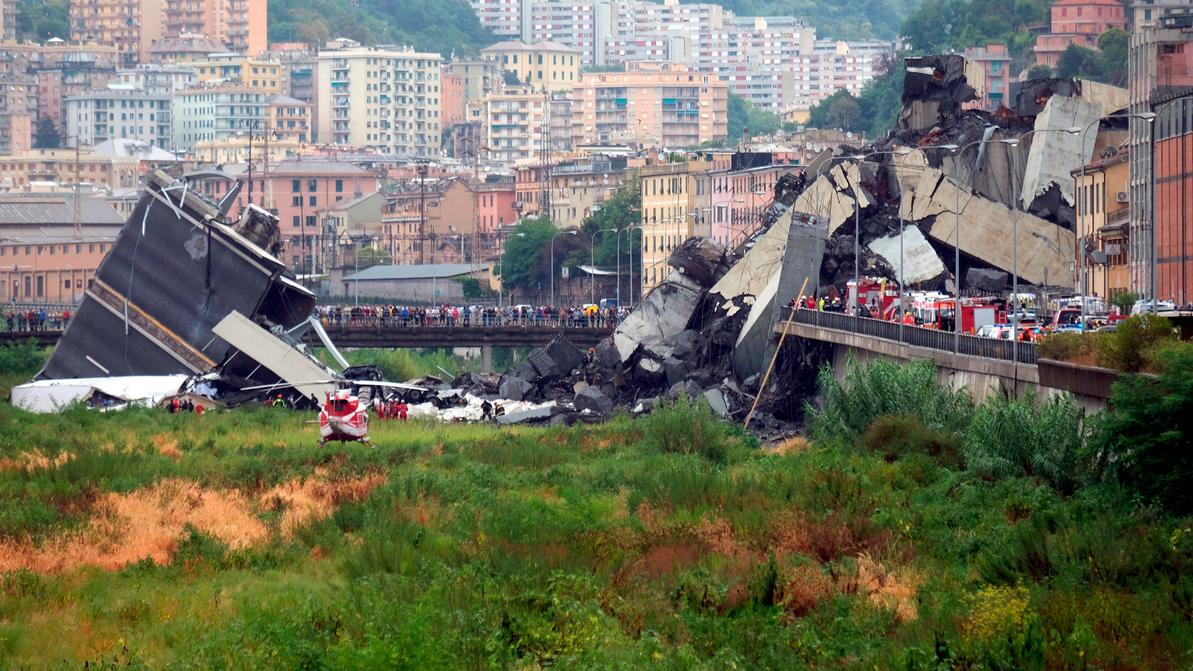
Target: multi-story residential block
{"x": 231, "y": 68}
{"x": 18, "y": 109}
{"x": 1077, "y": 22}
{"x": 516, "y": 124}
{"x": 8, "y": 19}
{"x": 1161, "y": 65}
{"x": 111, "y": 166}
{"x": 108, "y": 114}
{"x": 300, "y": 191}
{"x": 650, "y": 104}
{"x": 132, "y": 26}
{"x": 216, "y": 113}
{"x": 1102, "y": 216}
{"x": 995, "y": 60}
{"x": 289, "y": 119}
{"x": 478, "y": 78}
{"x": 579, "y": 187}
{"x": 435, "y": 223}
{"x": 265, "y": 148}
{"x": 44, "y": 256}
{"x": 1149, "y": 12}
{"x": 185, "y": 48}
{"x": 543, "y": 66}
{"x": 495, "y": 206}
{"x": 59, "y": 69}
{"x": 668, "y": 201}
{"x": 502, "y": 17}
{"x": 385, "y": 99}
{"x": 1173, "y": 247}
{"x": 154, "y": 79}
{"x": 240, "y": 24}
{"x": 774, "y": 62}
{"x": 451, "y": 99}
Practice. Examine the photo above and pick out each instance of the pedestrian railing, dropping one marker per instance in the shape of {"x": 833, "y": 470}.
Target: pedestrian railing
{"x": 919, "y": 336}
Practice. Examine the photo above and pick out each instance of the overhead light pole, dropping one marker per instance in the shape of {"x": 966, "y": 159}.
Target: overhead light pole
{"x": 551, "y": 269}
{"x": 592, "y": 263}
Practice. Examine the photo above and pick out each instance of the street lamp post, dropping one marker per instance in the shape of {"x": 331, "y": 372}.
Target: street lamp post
{"x": 957, "y": 312}
{"x": 552, "y": 264}
{"x": 592, "y": 263}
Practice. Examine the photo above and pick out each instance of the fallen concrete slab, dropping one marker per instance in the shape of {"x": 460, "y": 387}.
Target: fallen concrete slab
{"x": 593, "y": 400}
{"x": 659, "y": 317}
{"x": 1054, "y": 152}
{"x": 295, "y": 367}
{"x": 914, "y": 260}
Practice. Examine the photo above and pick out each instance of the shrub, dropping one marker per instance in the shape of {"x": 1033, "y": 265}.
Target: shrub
{"x": 22, "y": 358}
{"x": 884, "y": 388}
{"x": 1145, "y": 439}
{"x": 1010, "y": 437}
{"x": 1073, "y": 347}
{"x": 685, "y": 426}
{"x": 1126, "y": 348}
{"x": 895, "y": 436}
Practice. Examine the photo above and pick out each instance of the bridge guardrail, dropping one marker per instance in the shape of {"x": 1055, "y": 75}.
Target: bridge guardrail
{"x": 918, "y": 336}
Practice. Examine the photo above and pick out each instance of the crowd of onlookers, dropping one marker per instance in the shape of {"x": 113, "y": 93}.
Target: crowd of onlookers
{"x": 36, "y": 319}
{"x": 394, "y": 316}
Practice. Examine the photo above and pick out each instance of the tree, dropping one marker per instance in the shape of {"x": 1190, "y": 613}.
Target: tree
{"x": 743, "y": 115}
{"x": 623, "y": 209}
{"x": 1079, "y": 62}
{"x": 526, "y": 261}
{"x": 1039, "y": 71}
{"x": 371, "y": 256}
{"x": 42, "y": 19}
{"x": 1113, "y": 47}
{"x": 1124, "y": 301}
{"x": 47, "y": 136}
{"x": 840, "y": 110}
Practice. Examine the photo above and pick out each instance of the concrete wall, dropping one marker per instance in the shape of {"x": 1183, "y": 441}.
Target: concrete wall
{"x": 443, "y": 289}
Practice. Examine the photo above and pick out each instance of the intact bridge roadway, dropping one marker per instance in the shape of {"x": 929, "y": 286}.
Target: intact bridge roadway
{"x": 407, "y": 336}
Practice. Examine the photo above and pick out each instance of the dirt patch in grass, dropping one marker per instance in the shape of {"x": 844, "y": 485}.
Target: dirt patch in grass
{"x": 886, "y": 588}
{"x": 167, "y": 446}
{"x": 717, "y": 534}
{"x": 300, "y": 501}
{"x": 145, "y": 524}
{"x": 792, "y": 445}
{"x": 32, "y": 460}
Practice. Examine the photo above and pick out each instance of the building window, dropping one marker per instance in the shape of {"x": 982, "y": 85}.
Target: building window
{"x": 311, "y": 201}
{"x": 296, "y": 201}
{"x": 339, "y": 186}
{"x": 295, "y": 186}
{"x": 312, "y": 185}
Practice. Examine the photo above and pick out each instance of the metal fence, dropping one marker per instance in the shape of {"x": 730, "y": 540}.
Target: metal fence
{"x": 918, "y": 336}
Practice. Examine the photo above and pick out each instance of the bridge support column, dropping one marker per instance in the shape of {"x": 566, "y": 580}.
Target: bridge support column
{"x": 486, "y": 358}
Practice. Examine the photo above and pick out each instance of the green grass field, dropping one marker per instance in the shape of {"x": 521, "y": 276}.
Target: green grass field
{"x": 144, "y": 539}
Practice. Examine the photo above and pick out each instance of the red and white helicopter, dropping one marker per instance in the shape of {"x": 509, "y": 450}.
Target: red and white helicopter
{"x": 343, "y": 418}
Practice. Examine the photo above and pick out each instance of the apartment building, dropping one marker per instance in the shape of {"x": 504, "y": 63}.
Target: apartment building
{"x": 495, "y": 206}
{"x": 502, "y": 17}
{"x": 1173, "y": 188}
{"x": 240, "y": 24}
{"x": 1102, "y": 221}
{"x": 543, "y": 66}
{"x": 477, "y": 78}
{"x": 385, "y": 99}
{"x": 185, "y": 48}
{"x": 59, "y": 69}
{"x": 1078, "y": 22}
{"x": 231, "y": 68}
{"x": 434, "y": 224}
{"x": 1161, "y": 65}
{"x": 132, "y": 26}
{"x": 289, "y": 119}
{"x": 216, "y": 113}
{"x": 107, "y": 114}
{"x": 111, "y": 166}
{"x": 516, "y": 124}
{"x": 153, "y": 78}
{"x": 668, "y": 202}
{"x": 44, "y": 258}
{"x": 650, "y": 104}
{"x": 995, "y": 60}
{"x": 578, "y": 188}
{"x": 18, "y": 109}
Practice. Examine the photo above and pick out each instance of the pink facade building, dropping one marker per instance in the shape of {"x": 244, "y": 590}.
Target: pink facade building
{"x": 996, "y": 66}
{"x": 1078, "y": 22}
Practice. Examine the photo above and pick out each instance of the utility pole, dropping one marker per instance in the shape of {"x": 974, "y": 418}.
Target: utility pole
{"x": 545, "y": 154}
{"x": 250, "y": 162}
{"x": 78, "y": 216}
{"x": 421, "y": 171}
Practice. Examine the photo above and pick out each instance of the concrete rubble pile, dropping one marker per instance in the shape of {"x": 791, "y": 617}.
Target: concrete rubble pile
{"x": 707, "y": 331}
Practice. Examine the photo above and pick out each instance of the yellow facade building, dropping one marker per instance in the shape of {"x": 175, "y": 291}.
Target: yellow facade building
{"x": 548, "y": 66}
